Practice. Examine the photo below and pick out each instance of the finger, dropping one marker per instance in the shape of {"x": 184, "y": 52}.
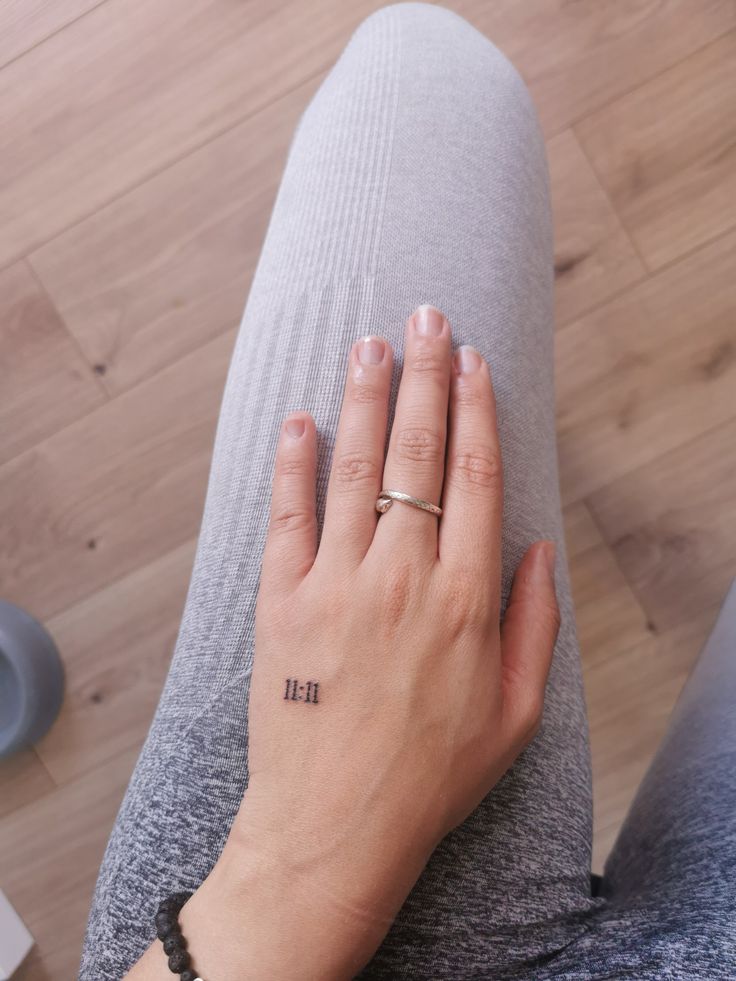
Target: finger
{"x": 415, "y": 462}
{"x": 472, "y": 500}
{"x": 291, "y": 542}
{"x": 528, "y": 636}
{"x": 357, "y": 462}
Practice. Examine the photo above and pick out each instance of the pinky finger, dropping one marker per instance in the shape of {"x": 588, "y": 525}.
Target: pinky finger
{"x": 528, "y": 637}
{"x": 291, "y": 544}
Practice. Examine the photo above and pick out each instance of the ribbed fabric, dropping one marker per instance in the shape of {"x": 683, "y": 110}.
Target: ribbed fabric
{"x": 417, "y": 174}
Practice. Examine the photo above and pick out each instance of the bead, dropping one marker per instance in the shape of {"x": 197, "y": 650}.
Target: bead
{"x": 189, "y": 975}
{"x": 179, "y": 961}
{"x": 180, "y": 898}
{"x": 174, "y": 941}
{"x": 165, "y": 923}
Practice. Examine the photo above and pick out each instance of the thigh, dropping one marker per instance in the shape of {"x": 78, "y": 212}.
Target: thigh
{"x": 417, "y": 175}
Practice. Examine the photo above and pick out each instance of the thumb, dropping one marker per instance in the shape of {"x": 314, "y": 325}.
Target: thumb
{"x": 528, "y": 636}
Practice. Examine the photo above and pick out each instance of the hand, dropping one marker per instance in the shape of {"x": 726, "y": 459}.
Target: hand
{"x": 386, "y": 698}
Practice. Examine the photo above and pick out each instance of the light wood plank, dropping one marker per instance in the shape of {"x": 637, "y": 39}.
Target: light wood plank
{"x": 23, "y": 778}
{"x": 46, "y": 383}
{"x": 167, "y": 267}
{"x": 34, "y": 969}
{"x": 632, "y": 672}
{"x": 594, "y": 258}
{"x": 665, "y": 154}
{"x": 110, "y": 701}
{"x": 672, "y": 526}
{"x": 134, "y": 85}
{"x": 608, "y": 615}
{"x": 647, "y": 371}
{"x": 577, "y": 57}
{"x": 50, "y": 851}
{"x": 23, "y": 25}
{"x": 631, "y": 694}
{"x": 581, "y": 532}
{"x": 114, "y": 490}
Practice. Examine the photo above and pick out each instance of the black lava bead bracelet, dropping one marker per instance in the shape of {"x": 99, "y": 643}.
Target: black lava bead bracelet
{"x": 168, "y": 931}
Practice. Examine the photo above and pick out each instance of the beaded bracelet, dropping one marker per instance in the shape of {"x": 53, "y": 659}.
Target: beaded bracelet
{"x": 168, "y": 930}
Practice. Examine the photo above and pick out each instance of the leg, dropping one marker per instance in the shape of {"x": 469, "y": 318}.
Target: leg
{"x": 417, "y": 175}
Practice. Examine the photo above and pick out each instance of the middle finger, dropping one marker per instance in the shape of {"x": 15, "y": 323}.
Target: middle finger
{"x": 415, "y": 462}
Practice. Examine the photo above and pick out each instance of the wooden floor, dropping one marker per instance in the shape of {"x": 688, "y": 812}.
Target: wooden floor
{"x": 141, "y": 146}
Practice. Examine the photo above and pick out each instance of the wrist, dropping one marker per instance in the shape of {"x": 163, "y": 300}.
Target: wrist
{"x": 258, "y": 915}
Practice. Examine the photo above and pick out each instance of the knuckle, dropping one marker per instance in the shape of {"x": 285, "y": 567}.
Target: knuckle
{"x": 350, "y": 469}
{"x": 294, "y": 466}
{"x": 416, "y": 444}
{"x": 466, "y": 608}
{"x": 291, "y": 518}
{"x": 471, "y": 396}
{"x": 364, "y": 393}
{"x": 398, "y": 589}
{"x": 427, "y": 362}
{"x": 477, "y": 469}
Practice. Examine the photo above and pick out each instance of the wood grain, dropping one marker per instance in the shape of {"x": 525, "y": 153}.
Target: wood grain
{"x": 576, "y": 57}
{"x": 113, "y": 491}
{"x": 50, "y": 852}
{"x": 647, "y": 371}
{"x": 608, "y": 614}
{"x": 631, "y": 694}
{"x": 632, "y": 671}
{"x": 46, "y": 383}
{"x": 110, "y": 700}
{"x": 665, "y": 153}
{"x": 23, "y": 25}
{"x": 672, "y": 526}
{"x": 167, "y": 267}
{"x": 23, "y": 778}
{"x": 594, "y": 258}
{"x": 145, "y": 82}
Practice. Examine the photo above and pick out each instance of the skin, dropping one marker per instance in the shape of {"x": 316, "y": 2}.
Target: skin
{"x": 425, "y": 699}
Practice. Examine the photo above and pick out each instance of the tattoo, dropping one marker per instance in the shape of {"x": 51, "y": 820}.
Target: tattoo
{"x": 293, "y": 688}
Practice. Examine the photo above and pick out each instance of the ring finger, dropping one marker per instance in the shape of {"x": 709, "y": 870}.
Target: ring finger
{"x": 415, "y": 462}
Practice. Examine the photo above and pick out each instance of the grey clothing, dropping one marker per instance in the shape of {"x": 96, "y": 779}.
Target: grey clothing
{"x": 418, "y": 175}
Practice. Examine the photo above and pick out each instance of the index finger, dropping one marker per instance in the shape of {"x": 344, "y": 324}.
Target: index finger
{"x": 472, "y": 502}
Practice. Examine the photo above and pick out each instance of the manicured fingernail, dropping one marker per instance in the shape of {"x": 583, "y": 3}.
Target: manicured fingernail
{"x": 295, "y": 427}
{"x": 429, "y": 321}
{"x": 548, "y": 550}
{"x": 371, "y": 350}
{"x": 467, "y": 360}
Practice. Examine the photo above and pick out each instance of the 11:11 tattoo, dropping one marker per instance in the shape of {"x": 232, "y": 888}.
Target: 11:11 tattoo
{"x": 293, "y": 688}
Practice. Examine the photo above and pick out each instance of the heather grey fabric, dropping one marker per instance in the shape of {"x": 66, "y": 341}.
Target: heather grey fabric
{"x": 417, "y": 174}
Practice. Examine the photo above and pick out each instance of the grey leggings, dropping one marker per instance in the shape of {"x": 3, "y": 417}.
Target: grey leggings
{"x": 418, "y": 174}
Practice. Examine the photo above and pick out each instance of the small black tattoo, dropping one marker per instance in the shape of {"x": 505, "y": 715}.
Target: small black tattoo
{"x": 293, "y": 689}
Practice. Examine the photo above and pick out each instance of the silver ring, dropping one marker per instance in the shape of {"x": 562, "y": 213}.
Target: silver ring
{"x": 387, "y": 497}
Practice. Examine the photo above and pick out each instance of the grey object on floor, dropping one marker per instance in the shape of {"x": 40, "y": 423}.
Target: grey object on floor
{"x": 417, "y": 175}
{"x": 31, "y": 679}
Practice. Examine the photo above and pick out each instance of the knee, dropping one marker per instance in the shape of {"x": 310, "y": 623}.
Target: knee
{"x": 434, "y": 47}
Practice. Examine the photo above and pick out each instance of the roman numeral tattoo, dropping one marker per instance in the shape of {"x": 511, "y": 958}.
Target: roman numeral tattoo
{"x": 308, "y": 692}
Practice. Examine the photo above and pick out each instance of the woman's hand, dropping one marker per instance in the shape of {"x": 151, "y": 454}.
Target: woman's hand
{"x": 386, "y": 697}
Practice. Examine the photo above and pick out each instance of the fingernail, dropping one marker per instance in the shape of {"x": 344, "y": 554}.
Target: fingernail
{"x": 467, "y": 360}
{"x": 429, "y": 321}
{"x": 548, "y": 550}
{"x": 295, "y": 427}
{"x": 371, "y": 350}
